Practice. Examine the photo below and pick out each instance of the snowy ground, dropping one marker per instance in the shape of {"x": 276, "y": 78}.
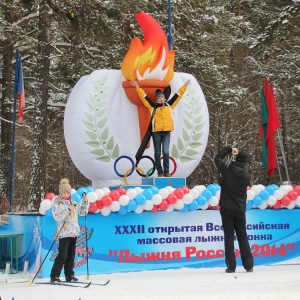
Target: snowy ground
{"x": 266, "y": 282}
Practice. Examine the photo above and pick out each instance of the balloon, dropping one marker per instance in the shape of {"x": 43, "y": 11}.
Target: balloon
{"x": 290, "y": 206}
{"x": 213, "y": 201}
{"x": 124, "y": 200}
{"x": 154, "y": 189}
{"x": 257, "y": 201}
{"x": 163, "y": 193}
{"x": 99, "y": 204}
{"x": 250, "y": 195}
{"x": 185, "y": 189}
{"x": 46, "y": 204}
{"x": 263, "y": 205}
{"x": 115, "y": 206}
{"x": 73, "y": 191}
{"x": 170, "y": 208}
{"x": 139, "y": 209}
{"x": 89, "y": 189}
{"x": 277, "y": 205}
{"x": 132, "y": 205}
{"x": 201, "y": 200}
{"x": 114, "y": 195}
{"x": 297, "y": 189}
{"x": 138, "y": 190}
{"x": 106, "y": 200}
{"x": 285, "y": 201}
{"x": 271, "y": 200}
{"x": 131, "y": 193}
{"x": 292, "y": 195}
{"x": 207, "y": 194}
{"x": 155, "y": 208}
{"x": 49, "y": 196}
{"x": 264, "y": 195}
{"x": 92, "y": 197}
{"x": 284, "y": 188}
{"x": 255, "y": 189}
{"x": 185, "y": 208}
{"x": 106, "y": 191}
{"x": 187, "y": 198}
{"x": 76, "y": 197}
{"x": 278, "y": 194}
{"x": 212, "y": 189}
{"x": 148, "y": 194}
{"x": 179, "y": 193}
{"x": 298, "y": 201}
{"x": 249, "y": 205}
{"x": 164, "y": 205}
{"x": 193, "y": 205}
{"x": 169, "y": 189}
{"x": 148, "y": 205}
{"x": 140, "y": 199}
{"x": 42, "y": 211}
{"x": 203, "y": 207}
{"x": 93, "y": 207}
{"x": 270, "y": 189}
{"x": 99, "y": 193}
{"x": 105, "y": 211}
{"x": 49, "y": 213}
{"x": 194, "y": 193}
{"x": 200, "y": 188}
{"x": 80, "y": 191}
{"x": 179, "y": 205}
{"x": 172, "y": 199}
{"x": 156, "y": 199}
{"x": 121, "y": 191}
{"x": 218, "y": 194}
{"x": 123, "y": 210}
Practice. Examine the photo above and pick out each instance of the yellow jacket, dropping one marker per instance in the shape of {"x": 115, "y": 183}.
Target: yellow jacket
{"x": 162, "y": 119}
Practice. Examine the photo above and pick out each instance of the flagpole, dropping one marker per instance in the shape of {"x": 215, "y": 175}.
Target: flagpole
{"x": 170, "y": 25}
{"x": 283, "y": 155}
{"x": 278, "y": 169}
{"x": 12, "y": 158}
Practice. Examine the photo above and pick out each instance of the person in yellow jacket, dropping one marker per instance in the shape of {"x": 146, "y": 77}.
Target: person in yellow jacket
{"x": 162, "y": 123}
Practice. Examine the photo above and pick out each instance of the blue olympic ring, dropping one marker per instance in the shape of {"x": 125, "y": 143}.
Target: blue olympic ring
{"x": 115, "y": 165}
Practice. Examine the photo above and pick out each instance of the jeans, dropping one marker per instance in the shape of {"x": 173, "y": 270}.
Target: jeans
{"x": 161, "y": 142}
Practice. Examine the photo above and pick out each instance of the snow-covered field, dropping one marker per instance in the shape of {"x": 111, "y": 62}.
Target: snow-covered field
{"x": 266, "y": 282}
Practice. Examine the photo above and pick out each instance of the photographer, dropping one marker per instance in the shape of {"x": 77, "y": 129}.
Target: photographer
{"x": 235, "y": 180}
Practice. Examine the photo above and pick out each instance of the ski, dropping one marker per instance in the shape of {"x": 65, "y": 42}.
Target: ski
{"x": 87, "y": 284}
{"x": 92, "y": 283}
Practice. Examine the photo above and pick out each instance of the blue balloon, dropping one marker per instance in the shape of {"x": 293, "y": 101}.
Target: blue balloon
{"x": 49, "y": 213}
{"x": 217, "y": 187}
{"x": 132, "y": 205}
{"x": 89, "y": 189}
{"x": 257, "y": 201}
{"x": 81, "y": 190}
{"x": 123, "y": 210}
{"x": 270, "y": 189}
{"x": 154, "y": 190}
{"x": 148, "y": 194}
{"x": 140, "y": 199}
{"x": 275, "y": 186}
{"x": 185, "y": 208}
{"x": 249, "y": 205}
{"x": 201, "y": 200}
{"x": 207, "y": 194}
{"x": 212, "y": 189}
{"x": 264, "y": 195}
{"x": 76, "y": 197}
{"x": 194, "y": 205}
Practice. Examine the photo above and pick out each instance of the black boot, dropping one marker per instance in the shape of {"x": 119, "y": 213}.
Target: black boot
{"x": 55, "y": 279}
{"x": 71, "y": 278}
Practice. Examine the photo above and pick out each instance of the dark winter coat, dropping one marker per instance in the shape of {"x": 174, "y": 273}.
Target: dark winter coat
{"x": 235, "y": 180}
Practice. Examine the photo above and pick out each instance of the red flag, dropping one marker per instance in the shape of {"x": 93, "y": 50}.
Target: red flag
{"x": 272, "y": 125}
{"x": 19, "y": 86}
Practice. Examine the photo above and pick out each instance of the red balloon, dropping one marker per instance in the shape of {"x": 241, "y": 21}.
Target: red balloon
{"x": 49, "y": 196}
{"x": 155, "y": 208}
{"x": 172, "y": 199}
{"x": 107, "y": 201}
{"x": 217, "y": 207}
{"x": 248, "y": 188}
{"x": 179, "y": 193}
{"x": 185, "y": 189}
{"x": 121, "y": 191}
{"x": 164, "y": 205}
{"x": 277, "y": 205}
{"x": 99, "y": 204}
{"x": 292, "y": 195}
{"x": 285, "y": 201}
{"x": 114, "y": 195}
{"x": 93, "y": 207}
{"x": 297, "y": 189}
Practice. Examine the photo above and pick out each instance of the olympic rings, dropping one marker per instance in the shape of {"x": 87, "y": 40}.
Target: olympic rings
{"x": 174, "y": 163}
{"x": 131, "y": 170}
{"x": 150, "y": 171}
{"x": 115, "y": 165}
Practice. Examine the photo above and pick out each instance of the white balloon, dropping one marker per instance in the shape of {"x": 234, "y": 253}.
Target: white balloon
{"x": 124, "y": 200}
{"x": 278, "y": 194}
{"x": 261, "y": 187}
{"x": 255, "y": 189}
{"x": 138, "y": 190}
{"x": 92, "y": 197}
{"x": 284, "y": 188}
{"x": 271, "y": 200}
{"x": 297, "y": 201}
{"x": 169, "y": 189}
{"x": 99, "y": 193}
{"x": 170, "y": 208}
{"x": 106, "y": 191}
{"x": 263, "y": 205}
{"x": 42, "y": 211}
{"x": 73, "y": 191}
{"x": 218, "y": 194}
{"x": 194, "y": 193}
{"x": 105, "y": 211}
{"x": 163, "y": 193}
{"x": 187, "y": 199}
{"x": 205, "y": 206}
{"x": 291, "y": 205}
{"x": 156, "y": 199}
{"x": 250, "y": 195}
{"x": 200, "y": 188}
{"x": 46, "y": 204}
{"x": 179, "y": 204}
{"x": 115, "y": 206}
{"x": 213, "y": 201}
{"x": 139, "y": 209}
{"x": 131, "y": 193}
{"x": 148, "y": 205}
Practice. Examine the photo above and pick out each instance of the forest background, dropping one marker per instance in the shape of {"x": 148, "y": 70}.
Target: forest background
{"x": 229, "y": 46}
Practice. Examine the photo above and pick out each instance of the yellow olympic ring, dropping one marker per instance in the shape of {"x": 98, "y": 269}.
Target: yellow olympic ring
{"x": 129, "y": 170}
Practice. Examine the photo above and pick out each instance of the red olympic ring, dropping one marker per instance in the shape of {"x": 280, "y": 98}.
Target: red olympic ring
{"x": 174, "y": 163}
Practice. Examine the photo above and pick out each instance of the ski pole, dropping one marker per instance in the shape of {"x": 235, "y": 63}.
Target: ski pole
{"x": 31, "y": 282}
{"x": 86, "y": 245}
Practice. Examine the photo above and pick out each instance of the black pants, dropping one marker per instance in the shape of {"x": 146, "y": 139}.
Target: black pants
{"x": 236, "y": 222}
{"x": 65, "y": 257}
